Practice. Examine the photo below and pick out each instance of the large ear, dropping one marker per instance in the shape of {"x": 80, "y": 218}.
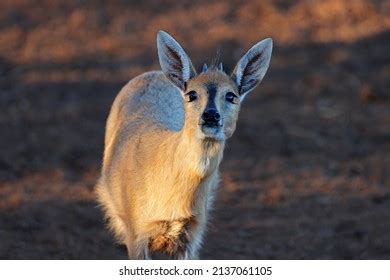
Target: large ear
{"x": 174, "y": 62}
{"x": 252, "y": 67}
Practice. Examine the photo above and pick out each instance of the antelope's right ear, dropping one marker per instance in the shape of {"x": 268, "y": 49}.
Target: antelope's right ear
{"x": 174, "y": 61}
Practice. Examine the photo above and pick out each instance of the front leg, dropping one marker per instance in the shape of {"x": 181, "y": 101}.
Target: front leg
{"x": 203, "y": 202}
{"x": 196, "y": 233}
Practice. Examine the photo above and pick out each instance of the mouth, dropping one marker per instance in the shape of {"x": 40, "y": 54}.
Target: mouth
{"x": 213, "y": 131}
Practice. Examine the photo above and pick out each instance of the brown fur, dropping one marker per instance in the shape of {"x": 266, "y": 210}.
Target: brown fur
{"x": 171, "y": 237}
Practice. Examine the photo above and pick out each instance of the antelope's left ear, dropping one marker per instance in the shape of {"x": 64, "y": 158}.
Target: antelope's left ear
{"x": 251, "y": 68}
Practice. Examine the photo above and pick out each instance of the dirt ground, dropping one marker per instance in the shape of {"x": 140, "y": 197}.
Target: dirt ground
{"x": 306, "y": 176}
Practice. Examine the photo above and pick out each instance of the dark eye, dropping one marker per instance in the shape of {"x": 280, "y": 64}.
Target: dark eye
{"x": 230, "y": 97}
{"x": 191, "y": 96}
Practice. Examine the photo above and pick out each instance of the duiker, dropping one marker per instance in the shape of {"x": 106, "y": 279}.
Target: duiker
{"x": 164, "y": 142}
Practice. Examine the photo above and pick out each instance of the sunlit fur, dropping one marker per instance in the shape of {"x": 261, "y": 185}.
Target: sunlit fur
{"x": 151, "y": 173}
{"x": 160, "y": 170}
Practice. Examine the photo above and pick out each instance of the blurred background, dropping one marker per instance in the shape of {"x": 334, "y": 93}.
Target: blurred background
{"x": 306, "y": 176}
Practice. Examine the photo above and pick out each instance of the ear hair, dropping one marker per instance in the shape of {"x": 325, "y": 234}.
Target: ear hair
{"x": 174, "y": 62}
{"x": 252, "y": 66}
{"x": 205, "y": 68}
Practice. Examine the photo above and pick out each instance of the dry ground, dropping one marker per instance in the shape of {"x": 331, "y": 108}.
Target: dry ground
{"x": 306, "y": 176}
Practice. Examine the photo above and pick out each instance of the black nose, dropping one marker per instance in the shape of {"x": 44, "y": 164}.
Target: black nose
{"x": 211, "y": 116}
